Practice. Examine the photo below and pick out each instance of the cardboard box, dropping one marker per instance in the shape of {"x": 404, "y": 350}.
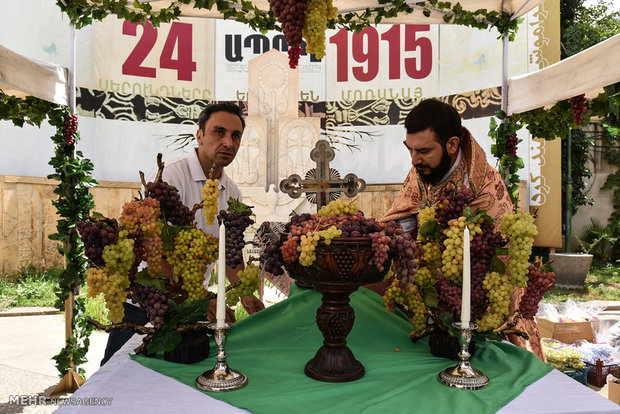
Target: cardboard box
{"x": 613, "y": 391}
{"x": 567, "y": 332}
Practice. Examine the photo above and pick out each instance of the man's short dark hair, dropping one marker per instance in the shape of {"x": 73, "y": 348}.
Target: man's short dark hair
{"x": 440, "y": 117}
{"x": 220, "y": 107}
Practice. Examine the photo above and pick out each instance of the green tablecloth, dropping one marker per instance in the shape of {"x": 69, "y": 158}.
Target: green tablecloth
{"x": 272, "y": 347}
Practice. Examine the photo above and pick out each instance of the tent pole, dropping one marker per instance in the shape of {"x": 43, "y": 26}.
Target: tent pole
{"x": 568, "y": 239}
{"x": 504, "y": 73}
{"x": 72, "y": 67}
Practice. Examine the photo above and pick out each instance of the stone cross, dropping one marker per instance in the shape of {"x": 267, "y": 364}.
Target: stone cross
{"x": 323, "y": 181}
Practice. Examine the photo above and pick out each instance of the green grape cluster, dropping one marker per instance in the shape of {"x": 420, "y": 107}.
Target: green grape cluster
{"x": 520, "y": 228}
{"x": 119, "y": 257}
{"x": 423, "y": 276}
{"x": 452, "y": 256}
{"x": 113, "y": 286}
{"x": 498, "y": 290}
{"x": 411, "y": 300}
{"x": 307, "y": 248}
{"x": 424, "y": 215}
{"x": 329, "y": 234}
{"x": 193, "y": 251}
{"x": 339, "y": 207}
{"x": 250, "y": 281}
{"x": 315, "y": 24}
{"x": 210, "y": 193}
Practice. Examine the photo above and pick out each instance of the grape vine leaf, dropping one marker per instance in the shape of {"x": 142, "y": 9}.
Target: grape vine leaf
{"x": 97, "y": 215}
{"x": 237, "y": 206}
{"x": 142, "y": 278}
{"x": 430, "y": 229}
{"x": 164, "y": 339}
{"x": 193, "y": 311}
{"x": 431, "y": 298}
{"x": 497, "y": 265}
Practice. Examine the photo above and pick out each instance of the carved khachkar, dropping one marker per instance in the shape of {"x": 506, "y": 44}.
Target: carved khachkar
{"x": 323, "y": 181}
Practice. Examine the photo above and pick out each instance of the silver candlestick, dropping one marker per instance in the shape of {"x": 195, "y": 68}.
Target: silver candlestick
{"x": 221, "y": 377}
{"x": 463, "y": 375}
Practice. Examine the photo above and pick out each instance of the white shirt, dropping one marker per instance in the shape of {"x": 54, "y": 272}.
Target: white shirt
{"x": 186, "y": 174}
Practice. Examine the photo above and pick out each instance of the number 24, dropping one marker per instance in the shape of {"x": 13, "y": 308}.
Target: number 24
{"x": 180, "y": 35}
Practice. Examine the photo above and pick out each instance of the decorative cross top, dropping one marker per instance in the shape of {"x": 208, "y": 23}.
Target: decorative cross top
{"x": 323, "y": 182}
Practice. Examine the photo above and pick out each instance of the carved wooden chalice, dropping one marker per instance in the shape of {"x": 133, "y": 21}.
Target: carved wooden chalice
{"x": 340, "y": 268}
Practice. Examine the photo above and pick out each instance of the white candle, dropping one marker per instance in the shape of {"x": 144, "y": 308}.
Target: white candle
{"x": 220, "y": 315}
{"x": 465, "y": 300}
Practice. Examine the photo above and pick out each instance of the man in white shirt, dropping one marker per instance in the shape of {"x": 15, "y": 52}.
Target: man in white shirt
{"x": 220, "y": 127}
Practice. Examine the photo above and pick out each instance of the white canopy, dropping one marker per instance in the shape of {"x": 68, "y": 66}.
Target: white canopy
{"x": 592, "y": 69}
{"x": 21, "y": 76}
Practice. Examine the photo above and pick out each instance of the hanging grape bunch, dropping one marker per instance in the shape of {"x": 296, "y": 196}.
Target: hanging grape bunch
{"x": 236, "y": 219}
{"x": 210, "y": 193}
{"x": 578, "y": 106}
{"x": 539, "y": 282}
{"x": 291, "y": 16}
{"x": 70, "y": 128}
{"x": 318, "y": 13}
{"x": 511, "y": 145}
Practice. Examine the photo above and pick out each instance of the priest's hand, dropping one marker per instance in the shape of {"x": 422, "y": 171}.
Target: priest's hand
{"x": 252, "y": 304}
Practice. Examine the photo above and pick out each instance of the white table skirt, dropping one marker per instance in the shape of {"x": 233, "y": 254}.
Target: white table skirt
{"x": 135, "y": 388}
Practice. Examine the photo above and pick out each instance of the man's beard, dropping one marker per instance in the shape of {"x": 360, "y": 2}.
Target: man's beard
{"x": 438, "y": 172}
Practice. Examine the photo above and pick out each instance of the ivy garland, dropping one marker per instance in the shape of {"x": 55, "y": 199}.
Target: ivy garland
{"x": 83, "y": 12}
{"x": 74, "y": 174}
{"x": 508, "y": 163}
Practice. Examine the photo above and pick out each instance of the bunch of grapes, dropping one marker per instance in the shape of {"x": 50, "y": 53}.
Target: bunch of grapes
{"x": 291, "y": 16}
{"x": 498, "y": 290}
{"x": 451, "y": 204}
{"x": 235, "y": 224}
{"x": 404, "y": 263}
{"x": 307, "y": 248}
{"x": 154, "y": 301}
{"x": 520, "y": 228}
{"x": 315, "y": 24}
{"x": 119, "y": 256}
{"x": 297, "y": 220}
{"x": 96, "y": 234}
{"x": 511, "y": 144}
{"x": 70, "y": 128}
{"x": 210, "y": 193}
{"x": 449, "y": 294}
{"x": 578, "y": 106}
{"x": 410, "y": 298}
{"x": 482, "y": 250}
{"x": 339, "y": 207}
{"x": 193, "y": 251}
{"x": 249, "y": 279}
{"x": 172, "y": 209}
{"x": 452, "y": 256}
{"x": 538, "y": 284}
{"x": 271, "y": 260}
{"x": 113, "y": 286}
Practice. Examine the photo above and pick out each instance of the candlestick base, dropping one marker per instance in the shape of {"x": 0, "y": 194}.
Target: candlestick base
{"x": 463, "y": 375}
{"x": 221, "y": 377}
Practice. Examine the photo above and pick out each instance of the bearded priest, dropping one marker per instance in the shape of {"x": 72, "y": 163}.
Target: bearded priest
{"x": 443, "y": 153}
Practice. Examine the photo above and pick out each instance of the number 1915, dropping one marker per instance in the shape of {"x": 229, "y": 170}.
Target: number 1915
{"x": 365, "y": 49}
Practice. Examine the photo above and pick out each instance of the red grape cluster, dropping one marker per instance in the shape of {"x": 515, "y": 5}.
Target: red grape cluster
{"x": 235, "y": 224}
{"x": 291, "y": 14}
{"x": 578, "y": 106}
{"x": 482, "y": 250}
{"x": 96, "y": 234}
{"x": 538, "y": 284}
{"x": 170, "y": 203}
{"x": 511, "y": 145}
{"x": 451, "y": 204}
{"x": 405, "y": 252}
{"x": 154, "y": 301}
{"x": 70, "y": 128}
{"x": 271, "y": 260}
{"x": 449, "y": 294}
